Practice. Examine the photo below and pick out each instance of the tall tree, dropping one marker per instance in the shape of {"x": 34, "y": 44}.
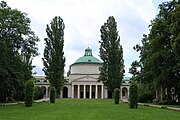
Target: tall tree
{"x": 18, "y": 47}
{"x": 111, "y": 52}
{"x": 158, "y": 54}
{"x": 54, "y": 60}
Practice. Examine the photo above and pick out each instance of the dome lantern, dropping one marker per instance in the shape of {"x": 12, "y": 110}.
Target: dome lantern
{"x": 88, "y": 52}
{"x": 88, "y": 58}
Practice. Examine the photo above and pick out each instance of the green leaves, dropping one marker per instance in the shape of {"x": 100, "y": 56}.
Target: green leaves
{"x": 18, "y": 47}
{"x": 111, "y": 52}
{"x": 159, "y": 53}
{"x": 29, "y": 93}
{"x": 133, "y": 95}
{"x": 54, "y": 60}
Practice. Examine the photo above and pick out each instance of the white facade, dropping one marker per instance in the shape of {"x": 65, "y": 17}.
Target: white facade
{"x": 82, "y": 80}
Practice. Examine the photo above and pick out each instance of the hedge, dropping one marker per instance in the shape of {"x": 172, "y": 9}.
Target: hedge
{"x": 29, "y": 93}
{"x": 116, "y": 95}
{"x": 52, "y": 94}
{"x": 133, "y": 95}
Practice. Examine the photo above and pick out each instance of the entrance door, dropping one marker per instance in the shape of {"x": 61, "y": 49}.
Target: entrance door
{"x": 109, "y": 94}
{"x": 65, "y": 92}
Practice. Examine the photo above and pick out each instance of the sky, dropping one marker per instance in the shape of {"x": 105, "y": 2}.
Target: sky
{"x": 83, "y": 20}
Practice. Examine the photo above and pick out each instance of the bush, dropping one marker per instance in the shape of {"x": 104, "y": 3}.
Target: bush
{"x": 38, "y": 93}
{"x": 52, "y": 94}
{"x": 116, "y": 95}
{"x": 145, "y": 93}
{"x": 164, "y": 102}
{"x": 29, "y": 92}
{"x": 146, "y": 97}
{"x": 133, "y": 95}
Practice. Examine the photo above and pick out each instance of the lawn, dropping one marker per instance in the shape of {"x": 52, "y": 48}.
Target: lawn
{"x": 84, "y": 109}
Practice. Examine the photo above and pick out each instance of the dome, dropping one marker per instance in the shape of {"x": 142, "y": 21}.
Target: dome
{"x": 88, "y": 58}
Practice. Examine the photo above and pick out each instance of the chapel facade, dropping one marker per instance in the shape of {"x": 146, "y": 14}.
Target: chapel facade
{"x": 82, "y": 80}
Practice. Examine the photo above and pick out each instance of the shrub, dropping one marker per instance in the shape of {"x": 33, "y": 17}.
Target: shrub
{"x": 146, "y": 97}
{"x": 38, "y": 93}
{"x": 133, "y": 95}
{"x": 52, "y": 94}
{"x": 145, "y": 93}
{"x": 116, "y": 95}
{"x": 164, "y": 102}
{"x": 29, "y": 92}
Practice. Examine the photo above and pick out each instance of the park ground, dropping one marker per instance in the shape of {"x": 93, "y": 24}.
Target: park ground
{"x": 85, "y": 109}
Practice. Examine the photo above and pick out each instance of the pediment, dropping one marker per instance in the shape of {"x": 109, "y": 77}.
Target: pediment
{"x": 85, "y": 79}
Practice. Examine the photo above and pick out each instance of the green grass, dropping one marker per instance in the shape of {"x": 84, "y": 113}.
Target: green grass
{"x": 176, "y": 106}
{"x": 84, "y": 109}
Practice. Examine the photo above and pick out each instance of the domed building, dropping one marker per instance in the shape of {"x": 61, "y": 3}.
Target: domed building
{"x": 82, "y": 80}
{"x": 83, "y": 76}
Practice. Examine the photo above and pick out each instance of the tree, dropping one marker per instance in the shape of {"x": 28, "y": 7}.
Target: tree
{"x": 29, "y": 93}
{"x": 52, "y": 94}
{"x": 18, "y": 47}
{"x": 111, "y": 52}
{"x": 174, "y": 28}
{"x": 133, "y": 95}
{"x": 159, "y": 59}
{"x": 54, "y": 60}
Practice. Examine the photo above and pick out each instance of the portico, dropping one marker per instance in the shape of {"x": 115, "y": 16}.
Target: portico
{"x": 87, "y": 91}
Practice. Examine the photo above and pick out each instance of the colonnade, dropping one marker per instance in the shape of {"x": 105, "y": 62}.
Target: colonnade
{"x": 87, "y": 91}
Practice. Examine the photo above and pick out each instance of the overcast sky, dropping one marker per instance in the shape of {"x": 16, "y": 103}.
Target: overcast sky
{"x": 83, "y": 20}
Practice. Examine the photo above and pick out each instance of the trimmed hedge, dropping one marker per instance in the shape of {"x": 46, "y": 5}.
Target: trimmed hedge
{"x": 29, "y": 93}
{"x": 38, "y": 93}
{"x": 52, "y": 94}
{"x": 116, "y": 95}
{"x": 133, "y": 95}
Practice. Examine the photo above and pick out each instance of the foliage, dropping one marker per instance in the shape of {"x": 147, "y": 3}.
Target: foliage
{"x": 133, "y": 95}
{"x": 52, "y": 94}
{"x": 159, "y": 59}
{"x": 29, "y": 93}
{"x": 18, "y": 47}
{"x": 116, "y": 95}
{"x": 38, "y": 93}
{"x": 111, "y": 52}
{"x": 145, "y": 94}
{"x": 54, "y": 60}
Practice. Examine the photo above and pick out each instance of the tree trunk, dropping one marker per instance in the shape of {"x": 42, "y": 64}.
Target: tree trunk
{"x": 157, "y": 95}
{"x": 161, "y": 93}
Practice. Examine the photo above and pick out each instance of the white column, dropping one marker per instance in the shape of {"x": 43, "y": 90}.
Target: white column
{"x": 84, "y": 91}
{"x": 78, "y": 91}
{"x": 96, "y": 92}
{"x": 72, "y": 91}
{"x": 105, "y": 91}
{"x": 102, "y": 93}
{"x": 90, "y": 91}
{"x": 46, "y": 92}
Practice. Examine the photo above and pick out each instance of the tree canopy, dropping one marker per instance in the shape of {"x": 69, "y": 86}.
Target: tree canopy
{"x": 111, "y": 52}
{"x": 159, "y": 53}
{"x": 18, "y": 47}
{"x": 54, "y": 60}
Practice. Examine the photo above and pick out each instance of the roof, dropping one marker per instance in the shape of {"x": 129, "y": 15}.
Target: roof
{"x": 88, "y": 58}
{"x": 127, "y": 78}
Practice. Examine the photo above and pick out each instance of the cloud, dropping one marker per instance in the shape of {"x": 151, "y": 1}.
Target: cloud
{"x": 83, "y": 20}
